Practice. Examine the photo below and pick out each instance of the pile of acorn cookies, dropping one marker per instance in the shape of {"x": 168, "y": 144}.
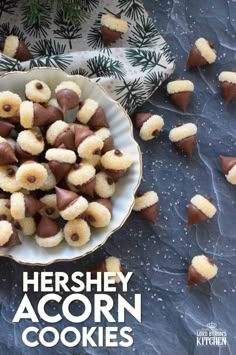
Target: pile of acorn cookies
{"x": 56, "y": 178}
{"x": 184, "y": 138}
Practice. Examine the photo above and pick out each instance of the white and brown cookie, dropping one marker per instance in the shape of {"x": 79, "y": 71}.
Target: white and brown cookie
{"x": 77, "y": 232}
{"x": 48, "y": 233}
{"x": 50, "y": 208}
{"x": 113, "y": 26}
{"x": 60, "y": 161}
{"x": 98, "y": 213}
{"x": 82, "y": 176}
{"x": 70, "y": 204}
{"x": 92, "y": 114}
{"x": 201, "y": 270}
{"x": 87, "y": 143}
{"x": 9, "y": 104}
{"x": 106, "y": 136}
{"x": 34, "y": 114}
{"x": 111, "y": 264}
{"x": 227, "y": 81}
{"x": 16, "y": 48}
{"x": 147, "y": 205}
{"x": 8, "y": 235}
{"x": 37, "y": 91}
{"x": 5, "y": 212}
{"x": 8, "y": 182}
{"x": 181, "y": 92}
{"x": 26, "y": 226}
{"x": 29, "y": 143}
{"x": 68, "y": 94}
{"x": 228, "y": 165}
{"x": 24, "y": 205}
{"x": 149, "y": 125}
{"x": 7, "y": 154}
{"x": 60, "y": 133}
{"x": 31, "y": 175}
{"x": 184, "y": 137}
{"x": 200, "y": 209}
{"x": 201, "y": 53}
{"x": 116, "y": 163}
{"x": 105, "y": 186}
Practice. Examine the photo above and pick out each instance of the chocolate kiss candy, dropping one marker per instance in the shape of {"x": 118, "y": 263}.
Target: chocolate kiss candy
{"x": 21, "y": 154}
{"x": 64, "y": 197}
{"x": 5, "y": 128}
{"x": 195, "y": 58}
{"x": 228, "y": 91}
{"x": 182, "y": 99}
{"x": 57, "y": 114}
{"x": 142, "y": 117}
{"x": 99, "y": 119}
{"x": 107, "y": 145}
{"x": 116, "y": 174}
{"x": 13, "y": 240}
{"x": 187, "y": 144}
{"x": 67, "y": 138}
{"x": 150, "y": 213}
{"x": 195, "y": 216}
{"x": 106, "y": 203}
{"x": 88, "y": 187}
{"x": 32, "y": 205}
{"x": 99, "y": 267}
{"x": 7, "y": 155}
{"x": 67, "y": 99}
{"x": 42, "y": 116}
{"x": 194, "y": 277}
{"x": 58, "y": 169}
{"x": 109, "y": 36}
{"x": 81, "y": 135}
{"x": 227, "y": 163}
{"x": 23, "y": 53}
{"x": 47, "y": 228}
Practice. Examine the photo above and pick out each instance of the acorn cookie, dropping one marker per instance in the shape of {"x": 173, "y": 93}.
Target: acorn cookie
{"x": 8, "y": 180}
{"x": 7, "y": 154}
{"x": 113, "y": 26}
{"x": 111, "y": 264}
{"x": 201, "y": 53}
{"x": 147, "y": 205}
{"x": 5, "y": 128}
{"x": 201, "y": 270}
{"x": 50, "y": 208}
{"x": 53, "y": 107}
{"x": 116, "y": 163}
{"x": 50, "y": 181}
{"x": 181, "y": 92}
{"x": 26, "y": 226}
{"x": 60, "y": 161}
{"x": 87, "y": 143}
{"x": 24, "y": 205}
{"x": 31, "y": 175}
{"x": 149, "y": 125}
{"x": 34, "y": 114}
{"x": 29, "y": 143}
{"x": 98, "y": 213}
{"x": 68, "y": 95}
{"x": 105, "y": 135}
{"x": 228, "y": 165}
{"x": 227, "y": 81}
{"x": 70, "y": 204}
{"x": 184, "y": 137}
{"x": 200, "y": 209}
{"x": 16, "y": 48}
{"x": 48, "y": 233}
{"x": 37, "y": 91}
{"x": 90, "y": 113}
{"x": 83, "y": 177}
{"x": 105, "y": 186}
{"x": 9, "y": 104}
{"x": 60, "y": 133}
{"x": 5, "y": 213}
{"x": 77, "y": 232}
{"x": 8, "y": 235}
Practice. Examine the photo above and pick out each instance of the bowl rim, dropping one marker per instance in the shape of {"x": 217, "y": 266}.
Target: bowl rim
{"x": 135, "y": 188}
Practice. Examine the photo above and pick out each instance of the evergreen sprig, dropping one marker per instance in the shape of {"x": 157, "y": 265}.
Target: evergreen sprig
{"x": 80, "y": 71}
{"x": 56, "y": 61}
{"x": 7, "y": 30}
{"x": 131, "y": 8}
{"x": 153, "y": 80}
{"x": 47, "y": 47}
{"x": 8, "y": 6}
{"x": 72, "y": 10}
{"x": 167, "y": 53}
{"x": 104, "y": 66}
{"x": 36, "y": 17}
{"x": 94, "y": 36}
{"x": 9, "y": 64}
{"x": 89, "y": 5}
{"x": 144, "y": 34}
{"x": 146, "y": 59}
{"x": 131, "y": 94}
{"x": 66, "y": 30}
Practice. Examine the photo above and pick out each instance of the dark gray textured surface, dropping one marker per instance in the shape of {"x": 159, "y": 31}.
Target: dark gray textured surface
{"x": 159, "y": 255}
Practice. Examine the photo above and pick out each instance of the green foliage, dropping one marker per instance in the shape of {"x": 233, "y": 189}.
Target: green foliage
{"x": 56, "y": 61}
{"x": 72, "y": 11}
{"x": 95, "y": 36}
{"x": 8, "y": 6}
{"x": 9, "y": 64}
{"x": 131, "y": 8}
{"x": 153, "y": 81}
{"x": 36, "y": 17}
{"x": 104, "y": 66}
{"x": 167, "y": 53}
{"x": 131, "y": 94}
{"x": 80, "y": 71}
{"x": 146, "y": 59}
{"x": 47, "y": 47}
{"x": 66, "y": 30}
{"x": 7, "y": 30}
{"x": 144, "y": 34}
{"x": 89, "y": 5}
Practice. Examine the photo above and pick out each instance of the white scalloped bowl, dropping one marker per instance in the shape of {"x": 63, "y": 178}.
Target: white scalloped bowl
{"x": 122, "y": 131}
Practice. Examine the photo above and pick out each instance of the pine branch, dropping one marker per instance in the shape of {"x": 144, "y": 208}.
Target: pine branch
{"x": 47, "y": 47}
{"x": 66, "y": 30}
{"x": 8, "y": 6}
{"x": 56, "y": 61}
{"x": 36, "y": 17}
{"x": 89, "y": 5}
{"x": 105, "y": 66}
{"x": 132, "y": 8}
{"x": 146, "y": 59}
{"x": 167, "y": 53}
{"x": 80, "y": 71}
{"x": 153, "y": 81}
{"x": 6, "y": 30}
{"x": 131, "y": 94}
{"x": 94, "y": 36}
{"x": 144, "y": 34}
{"x": 72, "y": 10}
{"x": 9, "y": 64}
